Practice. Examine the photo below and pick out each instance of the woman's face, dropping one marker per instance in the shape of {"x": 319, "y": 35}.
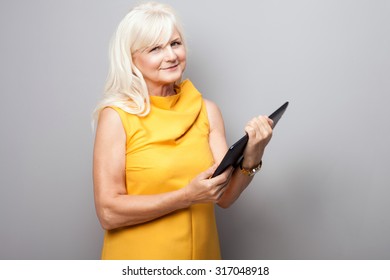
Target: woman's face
{"x": 162, "y": 64}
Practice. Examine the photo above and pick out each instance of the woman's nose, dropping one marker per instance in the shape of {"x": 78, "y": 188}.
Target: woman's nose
{"x": 170, "y": 54}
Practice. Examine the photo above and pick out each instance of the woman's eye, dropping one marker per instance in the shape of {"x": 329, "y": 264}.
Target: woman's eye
{"x": 175, "y": 43}
{"x": 155, "y": 49}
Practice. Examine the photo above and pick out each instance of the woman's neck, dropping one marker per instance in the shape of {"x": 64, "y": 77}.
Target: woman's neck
{"x": 161, "y": 90}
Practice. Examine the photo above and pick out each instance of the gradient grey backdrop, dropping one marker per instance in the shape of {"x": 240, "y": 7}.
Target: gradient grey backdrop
{"x": 323, "y": 192}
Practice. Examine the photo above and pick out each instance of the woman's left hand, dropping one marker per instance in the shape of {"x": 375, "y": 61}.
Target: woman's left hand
{"x": 259, "y": 130}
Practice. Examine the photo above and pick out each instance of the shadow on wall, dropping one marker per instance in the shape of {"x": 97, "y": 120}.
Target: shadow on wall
{"x": 285, "y": 217}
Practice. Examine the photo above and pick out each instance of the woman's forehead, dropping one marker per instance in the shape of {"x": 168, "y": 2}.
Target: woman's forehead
{"x": 165, "y": 36}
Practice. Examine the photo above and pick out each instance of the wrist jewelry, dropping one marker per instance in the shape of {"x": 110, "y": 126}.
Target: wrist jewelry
{"x": 251, "y": 172}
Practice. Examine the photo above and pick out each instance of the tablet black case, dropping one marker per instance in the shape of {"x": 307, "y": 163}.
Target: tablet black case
{"x": 234, "y": 155}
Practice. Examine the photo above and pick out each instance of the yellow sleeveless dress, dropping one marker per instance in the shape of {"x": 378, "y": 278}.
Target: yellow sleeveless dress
{"x": 164, "y": 152}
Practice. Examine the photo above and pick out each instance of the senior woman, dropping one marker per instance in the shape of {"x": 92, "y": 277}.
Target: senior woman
{"x": 157, "y": 144}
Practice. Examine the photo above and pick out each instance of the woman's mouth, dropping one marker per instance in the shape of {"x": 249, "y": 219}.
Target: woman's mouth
{"x": 170, "y": 67}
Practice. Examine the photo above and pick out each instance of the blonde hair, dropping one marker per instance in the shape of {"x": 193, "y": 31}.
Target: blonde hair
{"x": 145, "y": 25}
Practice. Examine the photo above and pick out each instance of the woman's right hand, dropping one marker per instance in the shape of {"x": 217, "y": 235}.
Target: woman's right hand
{"x": 203, "y": 189}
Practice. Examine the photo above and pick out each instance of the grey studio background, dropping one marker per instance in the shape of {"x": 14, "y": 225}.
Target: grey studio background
{"x": 323, "y": 192}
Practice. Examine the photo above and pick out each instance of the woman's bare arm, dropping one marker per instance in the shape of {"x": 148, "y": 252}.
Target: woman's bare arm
{"x": 259, "y": 131}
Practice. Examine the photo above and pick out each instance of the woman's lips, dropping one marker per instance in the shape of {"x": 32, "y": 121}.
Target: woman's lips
{"x": 170, "y": 67}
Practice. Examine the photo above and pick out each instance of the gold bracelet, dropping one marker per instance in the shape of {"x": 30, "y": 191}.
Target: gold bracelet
{"x": 251, "y": 172}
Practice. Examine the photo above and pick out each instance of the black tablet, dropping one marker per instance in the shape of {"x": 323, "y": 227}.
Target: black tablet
{"x": 234, "y": 155}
